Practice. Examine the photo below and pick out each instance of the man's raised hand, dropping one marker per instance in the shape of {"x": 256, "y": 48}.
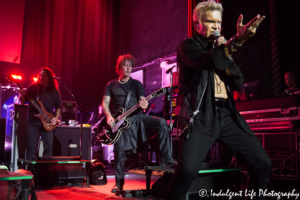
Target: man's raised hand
{"x": 244, "y": 32}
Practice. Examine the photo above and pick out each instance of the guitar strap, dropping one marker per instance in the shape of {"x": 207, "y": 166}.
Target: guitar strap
{"x": 128, "y": 96}
{"x": 38, "y": 93}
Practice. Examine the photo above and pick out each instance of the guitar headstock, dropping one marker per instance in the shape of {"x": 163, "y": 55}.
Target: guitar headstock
{"x": 159, "y": 92}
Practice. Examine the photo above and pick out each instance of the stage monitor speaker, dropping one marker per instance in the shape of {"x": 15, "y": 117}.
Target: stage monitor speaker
{"x": 208, "y": 181}
{"x": 67, "y": 142}
{"x": 97, "y": 174}
{"x": 52, "y": 173}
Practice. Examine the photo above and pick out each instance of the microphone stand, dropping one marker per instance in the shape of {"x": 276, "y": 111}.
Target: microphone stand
{"x": 171, "y": 123}
{"x": 82, "y": 109}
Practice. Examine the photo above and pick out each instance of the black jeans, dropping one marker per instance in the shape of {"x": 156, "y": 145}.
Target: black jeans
{"x": 195, "y": 148}
{"x": 33, "y": 132}
{"x": 151, "y": 124}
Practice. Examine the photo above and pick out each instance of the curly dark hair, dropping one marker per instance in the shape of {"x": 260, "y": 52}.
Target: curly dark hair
{"x": 52, "y": 82}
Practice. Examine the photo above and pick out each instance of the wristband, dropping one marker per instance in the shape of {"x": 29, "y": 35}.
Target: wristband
{"x": 234, "y": 45}
{"x": 239, "y": 44}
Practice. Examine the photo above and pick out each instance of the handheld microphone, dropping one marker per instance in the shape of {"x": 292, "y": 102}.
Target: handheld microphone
{"x": 216, "y": 35}
{"x": 57, "y": 78}
{"x": 170, "y": 69}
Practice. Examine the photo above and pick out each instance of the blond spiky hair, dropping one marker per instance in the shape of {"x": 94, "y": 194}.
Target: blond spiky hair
{"x": 202, "y": 7}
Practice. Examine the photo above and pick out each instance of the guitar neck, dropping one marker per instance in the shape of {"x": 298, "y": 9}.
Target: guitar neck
{"x": 131, "y": 110}
{"x": 9, "y": 77}
{"x": 30, "y": 99}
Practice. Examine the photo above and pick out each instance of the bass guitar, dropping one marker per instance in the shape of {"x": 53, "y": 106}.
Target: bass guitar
{"x": 110, "y": 135}
{"x": 43, "y": 115}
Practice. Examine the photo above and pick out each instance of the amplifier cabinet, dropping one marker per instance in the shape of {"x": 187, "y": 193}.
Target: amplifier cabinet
{"x": 67, "y": 142}
{"x": 68, "y": 111}
{"x": 153, "y": 77}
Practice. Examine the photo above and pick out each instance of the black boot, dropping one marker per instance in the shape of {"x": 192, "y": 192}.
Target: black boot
{"x": 116, "y": 187}
{"x": 168, "y": 162}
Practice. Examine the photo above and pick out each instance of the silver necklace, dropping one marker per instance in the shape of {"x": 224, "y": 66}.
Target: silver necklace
{"x": 123, "y": 82}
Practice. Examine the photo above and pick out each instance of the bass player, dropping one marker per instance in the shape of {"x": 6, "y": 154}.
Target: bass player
{"x": 116, "y": 92}
{"x": 45, "y": 91}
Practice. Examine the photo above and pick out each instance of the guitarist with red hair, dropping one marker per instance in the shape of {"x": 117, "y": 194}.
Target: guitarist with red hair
{"x": 43, "y": 97}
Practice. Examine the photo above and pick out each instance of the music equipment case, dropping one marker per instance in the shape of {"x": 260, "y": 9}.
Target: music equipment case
{"x": 15, "y": 135}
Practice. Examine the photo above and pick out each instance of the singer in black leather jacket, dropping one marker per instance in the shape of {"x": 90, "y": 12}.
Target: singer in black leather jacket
{"x": 205, "y": 106}
{"x": 197, "y": 62}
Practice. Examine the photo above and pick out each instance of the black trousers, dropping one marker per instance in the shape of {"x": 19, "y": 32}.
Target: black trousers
{"x": 195, "y": 147}
{"x": 151, "y": 124}
{"x": 33, "y": 132}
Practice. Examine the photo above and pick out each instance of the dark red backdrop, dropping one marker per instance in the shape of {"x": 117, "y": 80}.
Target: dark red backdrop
{"x": 81, "y": 39}
{"x": 77, "y": 39}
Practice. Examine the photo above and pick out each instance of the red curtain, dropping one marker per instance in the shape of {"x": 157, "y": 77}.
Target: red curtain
{"x": 77, "y": 39}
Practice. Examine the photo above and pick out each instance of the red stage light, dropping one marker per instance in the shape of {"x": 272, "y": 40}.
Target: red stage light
{"x": 34, "y": 79}
{"x": 17, "y": 77}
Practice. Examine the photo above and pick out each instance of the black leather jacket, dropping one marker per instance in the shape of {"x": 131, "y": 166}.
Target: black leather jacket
{"x": 197, "y": 62}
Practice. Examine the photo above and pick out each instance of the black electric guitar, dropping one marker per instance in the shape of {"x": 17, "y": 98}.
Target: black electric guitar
{"x": 110, "y": 135}
{"x": 43, "y": 115}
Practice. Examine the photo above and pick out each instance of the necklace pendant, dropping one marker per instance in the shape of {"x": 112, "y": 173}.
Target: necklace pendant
{"x": 123, "y": 82}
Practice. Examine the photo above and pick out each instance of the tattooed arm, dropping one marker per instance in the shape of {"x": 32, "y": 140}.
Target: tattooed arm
{"x": 105, "y": 105}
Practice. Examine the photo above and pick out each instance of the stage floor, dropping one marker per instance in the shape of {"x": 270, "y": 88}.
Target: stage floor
{"x": 137, "y": 181}
{"x": 133, "y": 181}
